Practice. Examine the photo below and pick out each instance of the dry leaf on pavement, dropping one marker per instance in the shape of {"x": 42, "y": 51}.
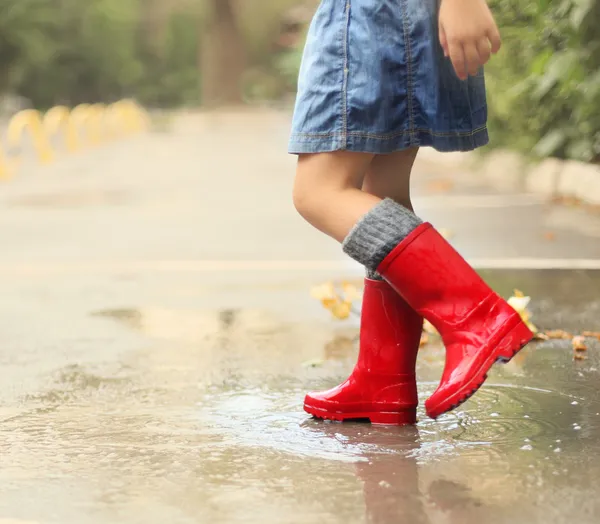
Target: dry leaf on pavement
{"x": 579, "y": 343}
{"x": 558, "y": 334}
{"x": 351, "y": 292}
{"x": 592, "y": 334}
{"x": 519, "y": 303}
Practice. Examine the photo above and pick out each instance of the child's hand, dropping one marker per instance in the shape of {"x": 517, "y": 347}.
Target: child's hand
{"x": 468, "y": 34}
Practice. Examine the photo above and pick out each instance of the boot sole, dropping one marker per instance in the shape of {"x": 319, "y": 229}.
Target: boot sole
{"x": 513, "y": 342}
{"x": 400, "y": 418}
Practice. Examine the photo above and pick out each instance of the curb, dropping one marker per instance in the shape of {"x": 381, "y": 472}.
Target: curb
{"x": 506, "y": 170}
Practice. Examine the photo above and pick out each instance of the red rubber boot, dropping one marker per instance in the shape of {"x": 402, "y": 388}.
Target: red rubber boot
{"x": 382, "y": 387}
{"x": 477, "y": 326}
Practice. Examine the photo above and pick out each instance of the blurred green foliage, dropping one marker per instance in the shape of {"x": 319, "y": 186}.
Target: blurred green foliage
{"x": 544, "y": 85}
{"x": 72, "y": 51}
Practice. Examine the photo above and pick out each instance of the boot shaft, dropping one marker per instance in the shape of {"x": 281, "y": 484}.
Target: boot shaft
{"x": 390, "y": 331}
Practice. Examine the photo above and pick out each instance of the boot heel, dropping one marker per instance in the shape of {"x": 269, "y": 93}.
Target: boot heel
{"x": 402, "y": 418}
{"x": 512, "y": 343}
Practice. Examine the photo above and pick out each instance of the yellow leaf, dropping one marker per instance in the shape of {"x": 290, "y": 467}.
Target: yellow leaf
{"x": 519, "y": 303}
{"x": 558, "y": 334}
{"x": 351, "y": 292}
{"x": 579, "y": 343}
{"x": 428, "y": 328}
{"x": 594, "y": 334}
{"x": 323, "y": 291}
{"x": 446, "y": 233}
{"x": 329, "y": 303}
{"x": 341, "y": 310}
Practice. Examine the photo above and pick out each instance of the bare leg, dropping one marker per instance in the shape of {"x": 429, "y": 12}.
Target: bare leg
{"x": 388, "y": 176}
{"x": 328, "y": 191}
{"x": 332, "y": 191}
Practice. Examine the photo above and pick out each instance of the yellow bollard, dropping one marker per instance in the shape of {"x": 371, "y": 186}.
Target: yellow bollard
{"x": 31, "y": 120}
{"x": 78, "y": 119}
{"x": 96, "y": 116}
{"x": 134, "y": 119}
{"x": 112, "y": 120}
{"x": 5, "y": 170}
{"x": 59, "y": 118}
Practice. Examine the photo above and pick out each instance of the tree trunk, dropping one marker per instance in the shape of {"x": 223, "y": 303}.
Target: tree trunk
{"x": 223, "y": 60}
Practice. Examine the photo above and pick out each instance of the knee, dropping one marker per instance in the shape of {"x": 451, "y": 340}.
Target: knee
{"x": 321, "y": 179}
{"x": 304, "y": 198}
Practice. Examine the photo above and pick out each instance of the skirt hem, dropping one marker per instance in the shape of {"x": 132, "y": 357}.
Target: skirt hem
{"x": 380, "y": 144}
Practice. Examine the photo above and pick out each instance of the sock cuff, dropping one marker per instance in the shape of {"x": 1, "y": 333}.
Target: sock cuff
{"x": 373, "y": 275}
{"x": 378, "y": 232}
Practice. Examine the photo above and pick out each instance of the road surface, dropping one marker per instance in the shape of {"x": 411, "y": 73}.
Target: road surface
{"x": 156, "y": 327}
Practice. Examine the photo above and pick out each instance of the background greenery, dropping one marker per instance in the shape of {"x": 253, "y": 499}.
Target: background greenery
{"x": 71, "y": 51}
{"x": 544, "y": 86}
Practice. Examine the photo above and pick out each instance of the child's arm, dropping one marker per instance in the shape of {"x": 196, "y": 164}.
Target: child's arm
{"x": 468, "y": 34}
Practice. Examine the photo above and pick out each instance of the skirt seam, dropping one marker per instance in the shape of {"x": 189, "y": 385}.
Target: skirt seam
{"x": 409, "y": 71}
{"x": 360, "y": 134}
{"x": 346, "y": 73}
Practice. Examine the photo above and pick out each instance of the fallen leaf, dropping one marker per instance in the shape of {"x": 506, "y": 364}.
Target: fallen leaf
{"x": 592, "y": 334}
{"x": 558, "y": 334}
{"x": 341, "y": 310}
{"x": 428, "y": 328}
{"x": 446, "y": 233}
{"x": 579, "y": 356}
{"x": 351, "y": 292}
{"x": 540, "y": 336}
{"x": 519, "y": 303}
{"x": 579, "y": 343}
{"x": 323, "y": 292}
{"x": 328, "y": 303}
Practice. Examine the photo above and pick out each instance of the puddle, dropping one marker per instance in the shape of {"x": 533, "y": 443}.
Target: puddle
{"x": 204, "y": 424}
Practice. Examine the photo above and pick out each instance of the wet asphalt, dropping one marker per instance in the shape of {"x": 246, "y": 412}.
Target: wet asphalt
{"x": 158, "y": 336}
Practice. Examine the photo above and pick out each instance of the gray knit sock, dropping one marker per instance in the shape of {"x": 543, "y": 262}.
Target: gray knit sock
{"x": 373, "y": 275}
{"x": 377, "y": 233}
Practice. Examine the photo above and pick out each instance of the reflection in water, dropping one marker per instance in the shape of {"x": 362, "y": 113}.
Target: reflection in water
{"x": 388, "y": 470}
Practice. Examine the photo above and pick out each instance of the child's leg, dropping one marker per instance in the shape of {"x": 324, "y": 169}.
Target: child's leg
{"x": 328, "y": 194}
{"x": 389, "y": 176}
{"x": 327, "y": 190}
{"x": 477, "y": 326}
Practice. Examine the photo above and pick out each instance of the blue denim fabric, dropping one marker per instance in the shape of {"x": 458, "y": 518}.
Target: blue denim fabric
{"x": 374, "y": 79}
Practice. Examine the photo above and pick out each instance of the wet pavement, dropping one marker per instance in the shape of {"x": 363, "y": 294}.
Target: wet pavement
{"x": 158, "y": 338}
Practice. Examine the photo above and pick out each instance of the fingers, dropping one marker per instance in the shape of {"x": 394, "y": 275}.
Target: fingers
{"x": 493, "y": 36}
{"x": 468, "y": 58}
{"x": 472, "y": 57}
{"x": 469, "y": 54}
{"x": 484, "y": 50}
{"x": 444, "y": 41}
{"x": 457, "y": 56}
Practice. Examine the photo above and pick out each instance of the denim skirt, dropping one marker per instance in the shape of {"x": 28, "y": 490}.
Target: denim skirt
{"x": 374, "y": 79}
